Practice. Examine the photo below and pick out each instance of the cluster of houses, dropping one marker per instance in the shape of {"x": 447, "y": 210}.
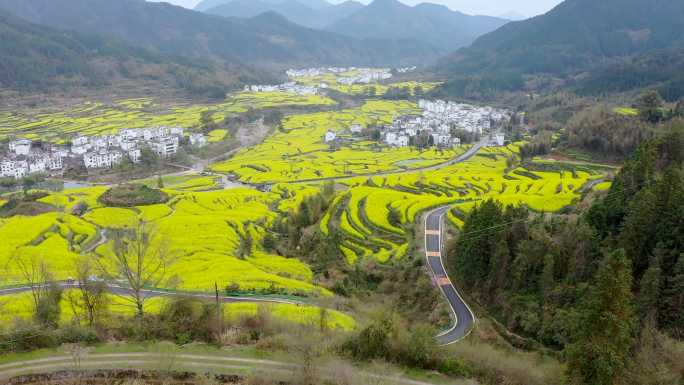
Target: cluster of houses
{"x": 360, "y": 75}
{"x": 439, "y": 117}
{"x": 94, "y": 152}
{"x": 405, "y": 70}
{"x": 437, "y": 120}
{"x": 366, "y": 76}
{"x": 290, "y": 87}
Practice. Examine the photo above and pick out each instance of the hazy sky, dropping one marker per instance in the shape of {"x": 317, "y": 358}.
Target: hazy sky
{"x": 482, "y": 7}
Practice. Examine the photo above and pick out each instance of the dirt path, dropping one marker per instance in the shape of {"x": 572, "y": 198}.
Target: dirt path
{"x": 193, "y": 362}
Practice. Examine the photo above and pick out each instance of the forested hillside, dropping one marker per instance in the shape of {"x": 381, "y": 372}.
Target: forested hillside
{"x": 267, "y": 40}
{"x": 292, "y": 10}
{"x": 431, "y": 23}
{"x": 38, "y": 58}
{"x": 599, "y": 284}
{"x": 576, "y": 37}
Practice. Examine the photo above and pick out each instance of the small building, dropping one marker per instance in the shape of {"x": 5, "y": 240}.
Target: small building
{"x": 500, "y": 139}
{"x": 330, "y": 136}
{"x": 20, "y": 146}
{"x": 356, "y": 128}
{"x": 134, "y": 155}
{"x": 442, "y": 140}
{"x": 198, "y": 140}
{"x": 165, "y": 147}
{"x": 80, "y": 141}
{"x": 102, "y": 159}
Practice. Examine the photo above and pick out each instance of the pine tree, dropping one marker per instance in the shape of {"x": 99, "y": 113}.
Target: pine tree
{"x": 604, "y": 334}
{"x": 649, "y": 291}
{"x": 672, "y": 301}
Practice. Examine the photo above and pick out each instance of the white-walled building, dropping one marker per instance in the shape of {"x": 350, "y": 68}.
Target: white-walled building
{"x": 165, "y": 147}
{"x": 102, "y": 159}
{"x": 20, "y": 146}
{"x": 330, "y": 136}
{"x": 198, "y": 140}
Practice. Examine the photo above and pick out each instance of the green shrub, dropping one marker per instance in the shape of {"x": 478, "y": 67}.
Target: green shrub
{"x": 131, "y": 195}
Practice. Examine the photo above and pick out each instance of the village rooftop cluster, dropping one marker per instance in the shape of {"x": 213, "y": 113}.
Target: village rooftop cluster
{"x": 343, "y": 75}
{"x": 25, "y": 158}
{"x": 438, "y": 120}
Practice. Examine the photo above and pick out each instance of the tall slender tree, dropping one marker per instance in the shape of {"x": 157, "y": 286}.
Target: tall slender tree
{"x": 605, "y": 331}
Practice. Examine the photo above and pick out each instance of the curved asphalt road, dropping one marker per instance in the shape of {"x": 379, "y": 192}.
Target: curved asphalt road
{"x": 151, "y": 293}
{"x": 464, "y": 317}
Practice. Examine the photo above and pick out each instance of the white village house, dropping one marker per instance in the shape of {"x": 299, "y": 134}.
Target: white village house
{"x": 330, "y": 136}
{"x": 95, "y": 151}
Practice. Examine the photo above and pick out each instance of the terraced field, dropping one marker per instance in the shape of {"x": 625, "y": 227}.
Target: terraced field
{"x": 19, "y": 306}
{"x": 331, "y": 80}
{"x": 58, "y": 126}
{"x": 298, "y": 151}
{"x": 371, "y": 212}
{"x": 203, "y": 230}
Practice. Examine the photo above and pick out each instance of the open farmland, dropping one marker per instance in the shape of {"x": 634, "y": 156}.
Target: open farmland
{"x": 298, "y": 151}
{"x": 58, "y": 126}
{"x": 372, "y": 89}
{"x": 203, "y": 231}
{"x": 361, "y": 215}
{"x": 20, "y": 307}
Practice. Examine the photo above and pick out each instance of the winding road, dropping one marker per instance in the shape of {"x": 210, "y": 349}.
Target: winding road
{"x": 464, "y": 317}
{"x": 151, "y": 293}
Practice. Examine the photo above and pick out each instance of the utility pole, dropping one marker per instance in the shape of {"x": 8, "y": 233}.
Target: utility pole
{"x": 219, "y": 326}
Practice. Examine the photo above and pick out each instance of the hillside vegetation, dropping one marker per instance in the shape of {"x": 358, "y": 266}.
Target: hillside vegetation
{"x": 575, "y": 37}
{"x": 38, "y": 58}
{"x": 268, "y": 39}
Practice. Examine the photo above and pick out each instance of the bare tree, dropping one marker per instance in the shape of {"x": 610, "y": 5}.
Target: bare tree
{"x": 141, "y": 260}
{"x": 36, "y": 273}
{"x": 90, "y": 298}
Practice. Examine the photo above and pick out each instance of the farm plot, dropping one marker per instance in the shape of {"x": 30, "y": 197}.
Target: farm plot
{"x": 20, "y": 307}
{"x": 202, "y": 230}
{"x": 372, "y": 89}
{"x": 370, "y": 216}
{"x": 298, "y": 151}
{"x": 96, "y": 118}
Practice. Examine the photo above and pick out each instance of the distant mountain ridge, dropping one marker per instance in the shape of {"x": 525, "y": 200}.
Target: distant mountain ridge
{"x": 574, "y": 37}
{"x": 431, "y": 23}
{"x": 205, "y": 5}
{"x": 39, "y": 59}
{"x": 268, "y": 40}
{"x": 293, "y": 10}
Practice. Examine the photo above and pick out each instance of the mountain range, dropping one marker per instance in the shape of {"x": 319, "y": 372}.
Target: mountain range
{"x": 38, "y": 58}
{"x": 293, "y": 10}
{"x": 268, "y": 40}
{"x": 576, "y": 41}
{"x": 382, "y": 19}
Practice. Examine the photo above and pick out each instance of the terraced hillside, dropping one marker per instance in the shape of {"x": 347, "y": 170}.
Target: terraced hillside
{"x": 371, "y": 213}
{"x": 298, "y": 151}
{"x": 97, "y": 118}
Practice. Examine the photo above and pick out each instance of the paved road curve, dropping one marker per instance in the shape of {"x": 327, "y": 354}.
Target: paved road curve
{"x": 464, "y": 317}
{"x": 123, "y": 291}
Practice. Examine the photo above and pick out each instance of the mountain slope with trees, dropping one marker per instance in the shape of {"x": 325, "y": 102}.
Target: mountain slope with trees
{"x": 575, "y": 38}
{"x": 36, "y": 58}
{"x": 268, "y": 39}
{"x": 603, "y": 284}
{"x": 293, "y": 10}
{"x": 431, "y": 23}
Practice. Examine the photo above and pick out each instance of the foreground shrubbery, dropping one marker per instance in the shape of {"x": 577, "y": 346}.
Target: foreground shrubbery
{"x": 130, "y": 195}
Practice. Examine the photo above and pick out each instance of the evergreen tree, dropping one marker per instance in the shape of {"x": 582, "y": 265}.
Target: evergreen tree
{"x": 478, "y": 243}
{"x": 605, "y": 331}
{"x": 649, "y": 293}
{"x": 672, "y": 301}
{"x": 650, "y": 106}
